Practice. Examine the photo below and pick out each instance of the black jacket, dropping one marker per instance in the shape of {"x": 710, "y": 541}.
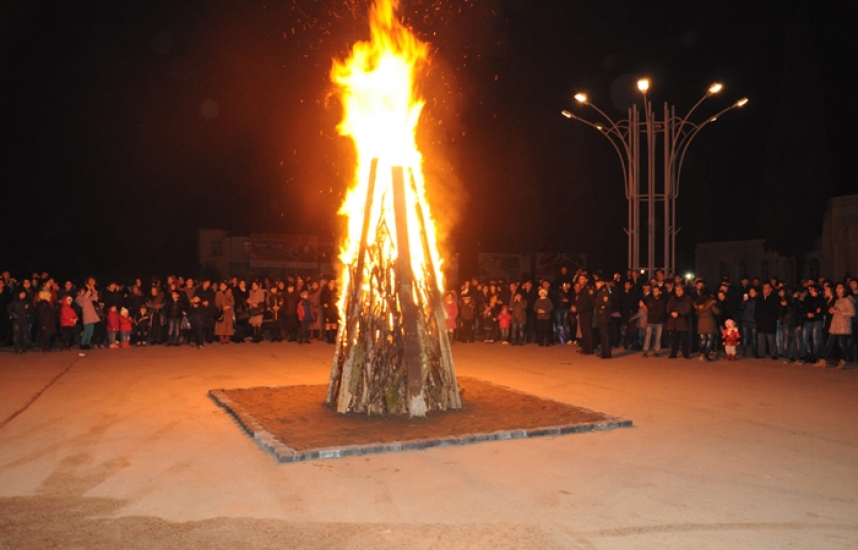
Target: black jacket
{"x": 767, "y": 312}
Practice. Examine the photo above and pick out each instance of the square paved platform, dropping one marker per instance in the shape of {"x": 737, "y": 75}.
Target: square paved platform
{"x": 294, "y": 424}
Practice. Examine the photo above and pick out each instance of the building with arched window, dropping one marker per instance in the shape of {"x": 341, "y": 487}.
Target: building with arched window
{"x": 834, "y": 255}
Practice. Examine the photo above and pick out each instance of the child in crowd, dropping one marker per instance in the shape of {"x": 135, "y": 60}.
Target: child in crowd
{"x": 731, "y": 337}
{"x": 197, "y": 317}
{"x": 124, "y": 328}
{"x": 68, "y": 320}
{"x": 112, "y": 327}
{"x": 504, "y": 322}
{"x": 305, "y": 317}
{"x": 142, "y": 326}
{"x": 636, "y": 328}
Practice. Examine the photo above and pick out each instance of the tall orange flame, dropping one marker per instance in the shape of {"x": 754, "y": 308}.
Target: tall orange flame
{"x": 381, "y": 111}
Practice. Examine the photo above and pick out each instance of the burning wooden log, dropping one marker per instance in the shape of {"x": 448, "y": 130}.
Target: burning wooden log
{"x": 393, "y": 354}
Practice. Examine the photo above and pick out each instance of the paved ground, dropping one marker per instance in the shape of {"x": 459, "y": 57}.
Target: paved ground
{"x": 125, "y": 450}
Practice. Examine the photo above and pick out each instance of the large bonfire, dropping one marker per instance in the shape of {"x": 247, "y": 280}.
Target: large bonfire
{"x": 392, "y": 355}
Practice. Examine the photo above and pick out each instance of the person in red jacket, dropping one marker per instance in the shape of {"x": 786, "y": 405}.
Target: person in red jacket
{"x": 125, "y": 328}
{"x": 504, "y": 322}
{"x": 68, "y": 320}
{"x": 112, "y": 327}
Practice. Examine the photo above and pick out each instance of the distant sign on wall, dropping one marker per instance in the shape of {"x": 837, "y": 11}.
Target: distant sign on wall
{"x": 283, "y": 251}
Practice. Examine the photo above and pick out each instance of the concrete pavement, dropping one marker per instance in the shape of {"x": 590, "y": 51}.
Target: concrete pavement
{"x": 123, "y": 449}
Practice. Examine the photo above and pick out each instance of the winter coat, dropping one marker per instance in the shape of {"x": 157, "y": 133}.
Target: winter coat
{"x": 749, "y": 310}
{"x": 656, "y": 309}
{"x": 519, "y": 311}
{"x": 68, "y": 316}
{"x": 452, "y": 311}
{"x": 731, "y": 337}
{"x": 841, "y": 321}
{"x": 546, "y": 306}
{"x": 639, "y": 319}
{"x": 142, "y": 322}
{"x": 467, "y": 311}
{"x": 239, "y": 298}
{"x": 305, "y": 310}
{"x": 86, "y": 302}
{"x": 256, "y": 298}
{"x": 112, "y": 321}
{"x": 682, "y": 306}
{"x": 603, "y": 308}
{"x": 21, "y": 311}
{"x": 46, "y": 316}
{"x": 197, "y": 316}
{"x": 706, "y": 308}
{"x": 225, "y": 301}
{"x": 124, "y": 323}
{"x": 766, "y": 313}
{"x": 175, "y": 309}
{"x": 812, "y": 308}
{"x": 272, "y": 301}
{"x": 504, "y": 319}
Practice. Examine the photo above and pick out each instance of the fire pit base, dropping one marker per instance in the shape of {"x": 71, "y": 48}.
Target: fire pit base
{"x": 294, "y": 424}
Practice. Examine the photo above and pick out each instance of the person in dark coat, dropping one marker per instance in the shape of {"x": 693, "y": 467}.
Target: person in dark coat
{"x": 242, "y": 315}
{"x": 678, "y": 310}
{"x": 812, "y": 317}
{"x": 629, "y": 302}
{"x": 197, "y": 316}
{"x": 21, "y": 312}
{"x": 529, "y": 295}
{"x": 766, "y": 315}
{"x": 175, "y": 310}
{"x": 6, "y": 299}
{"x": 543, "y": 308}
{"x": 656, "y": 316}
{"x": 289, "y": 313}
{"x": 603, "y": 311}
{"x": 706, "y": 307}
{"x": 46, "y": 319}
{"x": 584, "y": 303}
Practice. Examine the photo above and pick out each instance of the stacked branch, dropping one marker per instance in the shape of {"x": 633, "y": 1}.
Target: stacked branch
{"x": 393, "y": 354}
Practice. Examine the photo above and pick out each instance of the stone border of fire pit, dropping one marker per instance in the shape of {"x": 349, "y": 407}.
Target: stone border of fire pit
{"x": 284, "y": 453}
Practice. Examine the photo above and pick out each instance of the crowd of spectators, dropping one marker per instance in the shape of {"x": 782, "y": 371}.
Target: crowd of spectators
{"x": 43, "y": 315}
{"x": 813, "y": 322}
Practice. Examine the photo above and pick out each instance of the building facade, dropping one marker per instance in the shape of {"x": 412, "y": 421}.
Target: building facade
{"x": 834, "y": 255}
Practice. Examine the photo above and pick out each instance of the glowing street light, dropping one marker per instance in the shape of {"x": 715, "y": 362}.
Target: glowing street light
{"x": 625, "y": 136}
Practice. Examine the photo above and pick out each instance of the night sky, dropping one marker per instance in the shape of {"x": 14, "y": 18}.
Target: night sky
{"x": 128, "y": 125}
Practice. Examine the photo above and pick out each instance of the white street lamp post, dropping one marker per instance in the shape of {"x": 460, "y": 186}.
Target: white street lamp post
{"x": 625, "y": 136}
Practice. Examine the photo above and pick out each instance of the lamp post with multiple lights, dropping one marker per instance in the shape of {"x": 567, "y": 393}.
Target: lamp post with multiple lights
{"x": 625, "y": 135}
